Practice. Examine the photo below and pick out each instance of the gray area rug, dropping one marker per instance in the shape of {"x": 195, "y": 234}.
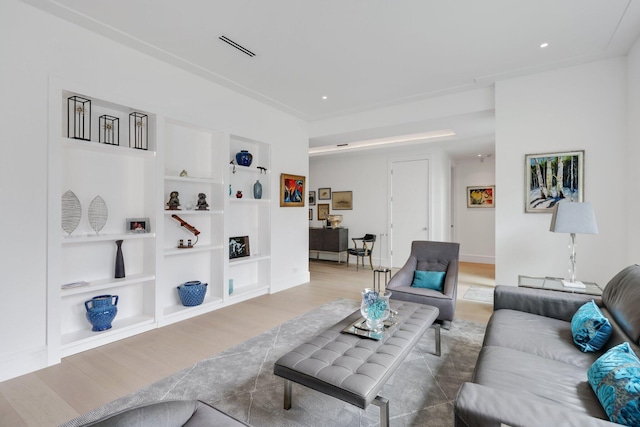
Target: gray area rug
{"x": 479, "y": 293}
{"x": 240, "y": 380}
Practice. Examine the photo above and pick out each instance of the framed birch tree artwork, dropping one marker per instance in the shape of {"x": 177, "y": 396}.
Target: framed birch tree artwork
{"x": 553, "y": 177}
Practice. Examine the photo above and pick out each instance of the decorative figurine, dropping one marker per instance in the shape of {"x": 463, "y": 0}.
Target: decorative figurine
{"x": 202, "y": 202}
{"x": 184, "y": 173}
{"x": 173, "y": 203}
{"x": 262, "y": 170}
{"x": 239, "y": 194}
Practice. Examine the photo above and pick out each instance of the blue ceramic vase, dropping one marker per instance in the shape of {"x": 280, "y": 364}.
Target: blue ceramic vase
{"x": 101, "y": 311}
{"x": 192, "y": 293}
{"x": 257, "y": 190}
{"x": 244, "y": 158}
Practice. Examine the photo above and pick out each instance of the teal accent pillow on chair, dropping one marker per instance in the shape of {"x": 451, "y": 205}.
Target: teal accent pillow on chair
{"x": 428, "y": 280}
{"x": 589, "y": 328}
{"x": 615, "y": 378}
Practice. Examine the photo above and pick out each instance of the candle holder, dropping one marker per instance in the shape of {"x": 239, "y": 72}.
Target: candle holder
{"x": 138, "y": 131}
{"x": 109, "y": 130}
{"x": 79, "y": 118}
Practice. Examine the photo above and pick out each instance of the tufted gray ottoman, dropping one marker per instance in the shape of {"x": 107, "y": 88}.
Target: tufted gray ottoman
{"x": 352, "y": 368}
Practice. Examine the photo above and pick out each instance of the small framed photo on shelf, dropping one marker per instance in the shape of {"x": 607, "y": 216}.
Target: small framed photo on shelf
{"x": 324, "y": 194}
{"x": 342, "y": 200}
{"x": 238, "y": 247}
{"x": 138, "y": 225}
{"x": 323, "y": 211}
{"x": 481, "y": 196}
{"x": 312, "y": 198}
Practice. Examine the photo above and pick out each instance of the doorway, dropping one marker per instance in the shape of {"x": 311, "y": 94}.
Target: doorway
{"x": 409, "y": 206}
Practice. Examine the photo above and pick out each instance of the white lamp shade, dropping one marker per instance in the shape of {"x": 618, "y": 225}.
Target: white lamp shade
{"x": 571, "y": 217}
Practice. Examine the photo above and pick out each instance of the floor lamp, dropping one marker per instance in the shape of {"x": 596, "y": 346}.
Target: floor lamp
{"x": 573, "y": 218}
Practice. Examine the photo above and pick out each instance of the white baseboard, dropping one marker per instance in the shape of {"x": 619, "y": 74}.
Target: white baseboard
{"x": 16, "y": 364}
{"x": 480, "y": 259}
{"x": 290, "y": 282}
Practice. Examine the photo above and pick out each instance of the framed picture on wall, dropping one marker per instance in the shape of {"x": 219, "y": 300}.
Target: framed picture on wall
{"x": 323, "y": 211}
{"x": 342, "y": 200}
{"x": 312, "y": 198}
{"x": 481, "y": 196}
{"x": 291, "y": 190}
{"x": 324, "y": 194}
{"x": 552, "y": 177}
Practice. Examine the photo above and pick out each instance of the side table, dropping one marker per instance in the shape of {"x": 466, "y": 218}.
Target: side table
{"x": 377, "y": 287}
{"x": 554, "y": 283}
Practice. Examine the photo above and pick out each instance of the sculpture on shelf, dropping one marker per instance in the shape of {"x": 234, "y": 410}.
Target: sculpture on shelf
{"x": 262, "y": 170}
{"x": 119, "y": 270}
{"x": 239, "y": 194}
{"x": 202, "y": 202}
{"x": 174, "y": 202}
{"x": 189, "y": 227}
{"x": 184, "y": 173}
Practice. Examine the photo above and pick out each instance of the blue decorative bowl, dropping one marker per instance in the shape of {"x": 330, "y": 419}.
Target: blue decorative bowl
{"x": 192, "y": 293}
{"x": 244, "y": 158}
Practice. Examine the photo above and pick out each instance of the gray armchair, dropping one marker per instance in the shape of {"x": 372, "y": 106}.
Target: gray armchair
{"x": 429, "y": 256}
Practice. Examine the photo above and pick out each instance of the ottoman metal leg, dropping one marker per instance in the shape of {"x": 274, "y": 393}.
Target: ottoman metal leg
{"x": 383, "y": 403}
{"x": 287, "y": 394}
{"x": 436, "y": 327}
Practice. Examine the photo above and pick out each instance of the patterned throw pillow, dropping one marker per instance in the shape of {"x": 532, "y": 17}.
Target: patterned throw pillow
{"x": 428, "y": 280}
{"x": 615, "y": 378}
{"x": 590, "y": 329}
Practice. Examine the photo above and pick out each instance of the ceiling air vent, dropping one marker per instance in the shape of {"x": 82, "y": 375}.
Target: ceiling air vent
{"x": 237, "y": 46}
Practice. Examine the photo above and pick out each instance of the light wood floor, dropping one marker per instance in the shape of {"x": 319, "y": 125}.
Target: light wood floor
{"x": 93, "y": 378}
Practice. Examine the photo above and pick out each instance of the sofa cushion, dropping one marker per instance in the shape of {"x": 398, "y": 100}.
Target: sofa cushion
{"x": 539, "y": 335}
{"x": 428, "y": 279}
{"x": 537, "y": 379}
{"x": 621, "y": 296}
{"x": 590, "y": 329}
{"x": 615, "y": 378}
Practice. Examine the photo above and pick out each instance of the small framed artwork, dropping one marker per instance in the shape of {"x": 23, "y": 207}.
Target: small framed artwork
{"x": 323, "y": 211}
{"x": 310, "y": 214}
{"x": 312, "y": 198}
{"x": 138, "y": 225}
{"x": 342, "y": 200}
{"x": 238, "y": 247}
{"x": 552, "y": 177}
{"x": 291, "y": 190}
{"x": 481, "y": 196}
{"x": 324, "y": 194}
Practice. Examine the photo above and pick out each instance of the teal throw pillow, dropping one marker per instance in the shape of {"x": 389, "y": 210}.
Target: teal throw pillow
{"x": 590, "y": 329}
{"x": 428, "y": 280}
{"x": 615, "y": 378}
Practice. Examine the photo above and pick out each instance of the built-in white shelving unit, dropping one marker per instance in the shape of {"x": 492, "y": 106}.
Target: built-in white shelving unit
{"x": 137, "y": 183}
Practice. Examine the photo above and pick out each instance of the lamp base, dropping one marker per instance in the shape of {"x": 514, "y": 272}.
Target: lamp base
{"x": 577, "y": 284}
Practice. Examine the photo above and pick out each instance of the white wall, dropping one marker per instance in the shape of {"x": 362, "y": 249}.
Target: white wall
{"x": 577, "y": 108}
{"x": 633, "y": 177}
{"x": 37, "y": 46}
{"x": 366, "y": 173}
{"x": 475, "y": 227}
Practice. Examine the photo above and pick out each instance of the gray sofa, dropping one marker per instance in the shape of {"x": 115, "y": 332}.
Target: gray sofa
{"x": 169, "y": 413}
{"x": 529, "y": 372}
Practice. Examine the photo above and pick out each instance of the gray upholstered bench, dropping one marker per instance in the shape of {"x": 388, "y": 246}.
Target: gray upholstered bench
{"x": 352, "y": 368}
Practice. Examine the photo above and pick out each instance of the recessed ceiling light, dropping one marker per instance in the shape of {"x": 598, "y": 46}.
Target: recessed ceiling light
{"x": 324, "y": 97}
{"x": 543, "y": 45}
{"x": 479, "y": 155}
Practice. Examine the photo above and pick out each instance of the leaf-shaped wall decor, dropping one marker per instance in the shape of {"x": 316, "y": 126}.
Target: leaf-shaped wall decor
{"x": 71, "y": 211}
{"x": 98, "y": 214}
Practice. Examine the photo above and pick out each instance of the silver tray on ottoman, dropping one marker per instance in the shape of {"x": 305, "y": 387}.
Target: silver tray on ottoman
{"x": 359, "y": 328}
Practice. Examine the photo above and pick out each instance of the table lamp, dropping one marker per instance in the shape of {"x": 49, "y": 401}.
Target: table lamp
{"x": 573, "y": 218}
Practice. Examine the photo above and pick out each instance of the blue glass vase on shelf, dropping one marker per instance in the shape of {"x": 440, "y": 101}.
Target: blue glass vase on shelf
{"x": 257, "y": 190}
{"x": 244, "y": 158}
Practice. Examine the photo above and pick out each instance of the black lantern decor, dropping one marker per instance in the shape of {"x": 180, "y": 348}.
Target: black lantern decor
{"x": 109, "y": 130}
{"x": 79, "y": 118}
{"x": 138, "y": 127}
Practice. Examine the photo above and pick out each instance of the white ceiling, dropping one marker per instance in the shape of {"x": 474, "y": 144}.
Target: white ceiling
{"x": 361, "y": 54}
